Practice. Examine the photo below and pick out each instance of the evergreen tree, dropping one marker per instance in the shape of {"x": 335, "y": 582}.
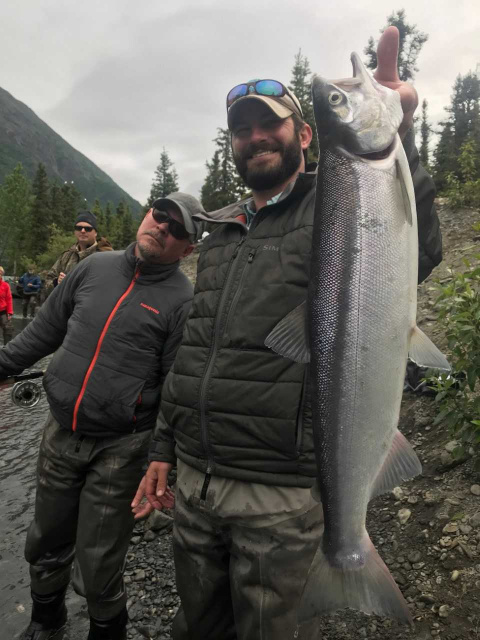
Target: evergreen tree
{"x": 108, "y": 219}
{"x": 222, "y": 185}
{"x": 461, "y": 126}
{"x": 72, "y": 203}
{"x": 56, "y": 204}
{"x": 128, "y": 233}
{"x": 425, "y": 130}
{"x": 98, "y": 211}
{"x": 165, "y": 180}
{"x": 41, "y": 209}
{"x": 300, "y": 84}
{"x": 16, "y": 220}
{"x": 411, "y": 43}
{"x": 211, "y": 186}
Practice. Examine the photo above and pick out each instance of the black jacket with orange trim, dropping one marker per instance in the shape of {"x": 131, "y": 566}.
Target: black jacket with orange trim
{"x": 115, "y": 324}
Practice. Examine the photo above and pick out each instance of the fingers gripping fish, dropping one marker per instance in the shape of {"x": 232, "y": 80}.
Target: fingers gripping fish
{"x": 356, "y": 330}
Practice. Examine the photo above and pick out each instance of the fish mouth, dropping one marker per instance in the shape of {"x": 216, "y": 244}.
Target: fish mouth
{"x": 378, "y": 155}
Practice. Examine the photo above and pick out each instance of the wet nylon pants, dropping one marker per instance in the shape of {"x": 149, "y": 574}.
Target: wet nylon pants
{"x": 241, "y": 583}
{"x": 82, "y": 511}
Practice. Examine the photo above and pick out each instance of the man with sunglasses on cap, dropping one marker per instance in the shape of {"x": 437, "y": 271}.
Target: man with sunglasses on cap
{"x": 86, "y": 244}
{"x": 235, "y": 416}
{"x": 115, "y": 324}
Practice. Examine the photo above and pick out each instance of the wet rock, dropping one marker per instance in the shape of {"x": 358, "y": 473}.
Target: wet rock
{"x": 397, "y": 492}
{"x": 159, "y": 521}
{"x": 429, "y": 498}
{"x": 149, "y": 536}
{"x": 451, "y": 527}
{"x": 451, "y": 446}
{"x": 475, "y": 520}
{"x": 414, "y": 557}
{"x": 404, "y": 515}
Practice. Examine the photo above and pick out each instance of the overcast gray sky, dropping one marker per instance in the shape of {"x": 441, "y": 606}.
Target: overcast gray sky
{"x": 121, "y": 79}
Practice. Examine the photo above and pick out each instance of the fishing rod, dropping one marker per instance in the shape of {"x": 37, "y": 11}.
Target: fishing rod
{"x": 25, "y": 393}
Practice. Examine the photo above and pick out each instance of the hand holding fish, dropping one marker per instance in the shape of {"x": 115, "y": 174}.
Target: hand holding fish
{"x": 387, "y": 75}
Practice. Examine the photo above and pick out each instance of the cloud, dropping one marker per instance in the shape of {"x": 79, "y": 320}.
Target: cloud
{"x": 121, "y": 80}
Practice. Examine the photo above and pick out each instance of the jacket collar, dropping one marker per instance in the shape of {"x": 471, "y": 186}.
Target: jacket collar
{"x": 298, "y": 187}
{"x": 147, "y": 269}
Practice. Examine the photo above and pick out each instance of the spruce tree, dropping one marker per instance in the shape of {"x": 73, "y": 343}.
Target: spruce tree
{"x": 461, "y": 126}
{"x": 222, "y": 185}
{"x": 411, "y": 43}
{"x": 16, "y": 221}
{"x": 56, "y": 198}
{"x": 72, "y": 203}
{"x": 98, "y": 211}
{"x": 425, "y": 130}
{"x": 165, "y": 180}
{"x": 41, "y": 209}
{"x": 300, "y": 84}
{"x": 108, "y": 219}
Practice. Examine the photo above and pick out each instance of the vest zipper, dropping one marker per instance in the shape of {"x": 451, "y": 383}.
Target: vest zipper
{"x": 98, "y": 347}
{"x": 211, "y": 356}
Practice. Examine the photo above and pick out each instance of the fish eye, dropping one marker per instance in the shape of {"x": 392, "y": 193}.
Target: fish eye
{"x": 335, "y": 98}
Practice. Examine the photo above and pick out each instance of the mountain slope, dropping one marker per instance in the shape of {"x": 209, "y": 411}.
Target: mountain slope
{"x": 27, "y": 139}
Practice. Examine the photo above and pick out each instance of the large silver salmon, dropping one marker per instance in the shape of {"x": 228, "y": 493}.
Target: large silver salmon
{"x": 356, "y": 329}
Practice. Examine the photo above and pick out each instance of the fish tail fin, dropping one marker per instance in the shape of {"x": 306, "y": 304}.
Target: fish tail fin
{"x": 369, "y": 588}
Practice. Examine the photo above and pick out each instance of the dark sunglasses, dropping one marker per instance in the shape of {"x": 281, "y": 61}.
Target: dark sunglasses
{"x": 176, "y": 228}
{"x": 81, "y": 227}
{"x": 259, "y": 87}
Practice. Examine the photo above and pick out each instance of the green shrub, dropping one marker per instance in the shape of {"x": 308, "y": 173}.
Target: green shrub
{"x": 458, "y": 393}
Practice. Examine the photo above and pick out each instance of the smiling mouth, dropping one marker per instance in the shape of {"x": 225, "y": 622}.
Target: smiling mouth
{"x": 261, "y": 154}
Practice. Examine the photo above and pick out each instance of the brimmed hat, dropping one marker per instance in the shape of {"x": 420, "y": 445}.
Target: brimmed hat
{"x": 187, "y": 205}
{"x": 283, "y": 106}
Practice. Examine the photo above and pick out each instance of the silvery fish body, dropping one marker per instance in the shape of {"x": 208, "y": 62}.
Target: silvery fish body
{"x": 360, "y": 328}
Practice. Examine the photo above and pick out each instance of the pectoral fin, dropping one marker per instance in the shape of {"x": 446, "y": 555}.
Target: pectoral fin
{"x": 289, "y": 337}
{"x": 423, "y": 352}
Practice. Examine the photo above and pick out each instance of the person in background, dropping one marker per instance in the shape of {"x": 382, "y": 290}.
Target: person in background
{"x": 6, "y": 308}
{"x": 86, "y": 244}
{"x": 235, "y": 416}
{"x": 31, "y": 285}
{"x": 114, "y": 323}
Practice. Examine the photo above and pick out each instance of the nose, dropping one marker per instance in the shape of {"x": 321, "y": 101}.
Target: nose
{"x": 257, "y": 134}
{"x": 163, "y": 227}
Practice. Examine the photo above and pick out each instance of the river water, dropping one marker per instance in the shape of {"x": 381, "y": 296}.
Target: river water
{"x": 20, "y": 434}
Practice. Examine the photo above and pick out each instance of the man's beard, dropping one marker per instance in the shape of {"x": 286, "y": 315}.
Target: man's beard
{"x": 263, "y": 178}
{"x": 149, "y": 253}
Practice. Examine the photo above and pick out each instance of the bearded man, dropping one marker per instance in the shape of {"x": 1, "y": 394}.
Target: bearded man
{"x": 235, "y": 416}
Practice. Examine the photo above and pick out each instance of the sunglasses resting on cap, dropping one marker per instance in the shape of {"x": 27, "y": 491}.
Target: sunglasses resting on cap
{"x": 175, "y": 228}
{"x": 266, "y": 89}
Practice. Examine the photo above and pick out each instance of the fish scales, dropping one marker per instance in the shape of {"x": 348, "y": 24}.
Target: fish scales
{"x": 361, "y": 278}
{"x": 356, "y": 329}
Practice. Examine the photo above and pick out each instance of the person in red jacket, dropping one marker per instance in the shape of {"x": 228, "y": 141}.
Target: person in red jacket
{"x": 6, "y": 308}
